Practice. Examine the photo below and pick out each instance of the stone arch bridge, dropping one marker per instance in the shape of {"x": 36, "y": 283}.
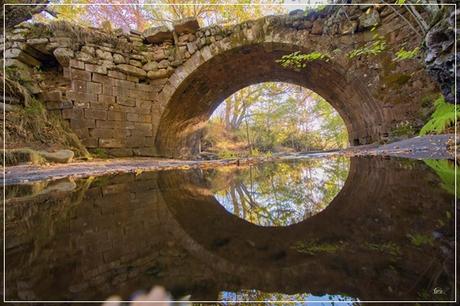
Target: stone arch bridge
{"x": 150, "y": 93}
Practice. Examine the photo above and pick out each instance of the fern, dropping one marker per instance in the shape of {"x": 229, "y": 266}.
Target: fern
{"x": 446, "y": 172}
{"x": 444, "y": 116}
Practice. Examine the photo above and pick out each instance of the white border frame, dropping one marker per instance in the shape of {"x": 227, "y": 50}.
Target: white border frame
{"x": 236, "y": 4}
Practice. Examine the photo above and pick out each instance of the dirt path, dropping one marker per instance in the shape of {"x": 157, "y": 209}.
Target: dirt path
{"x": 420, "y": 147}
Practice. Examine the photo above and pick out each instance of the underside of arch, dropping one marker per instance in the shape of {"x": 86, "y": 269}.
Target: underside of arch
{"x": 206, "y": 87}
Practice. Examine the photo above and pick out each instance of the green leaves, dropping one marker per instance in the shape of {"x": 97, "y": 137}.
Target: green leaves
{"x": 404, "y": 55}
{"x": 299, "y": 60}
{"x": 372, "y": 48}
{"x": 444, "y": 116}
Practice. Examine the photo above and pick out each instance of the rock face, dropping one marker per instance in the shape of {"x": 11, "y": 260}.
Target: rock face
{"x": 440, "y": 54}
{"x": 157, "y": 34}
{"x": 141, "y": 95}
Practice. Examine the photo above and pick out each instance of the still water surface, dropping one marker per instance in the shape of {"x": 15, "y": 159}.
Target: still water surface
{"x": 355, "y": 229}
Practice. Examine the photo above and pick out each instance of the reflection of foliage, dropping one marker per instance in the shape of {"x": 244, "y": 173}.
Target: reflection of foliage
{"x": 446, "y": 172}
{"x": 300, "y": 60}
{"x": 418, "y": 239}
{"x": 279, "y": 194}
{"x": 387, "y": 247}
{"x": 444, "y": 116}
{"x": 372, "y": 48}
{"x": 404, "y": 55}
{"x": 313, "y": 247}
{"x": 256, "y": 295}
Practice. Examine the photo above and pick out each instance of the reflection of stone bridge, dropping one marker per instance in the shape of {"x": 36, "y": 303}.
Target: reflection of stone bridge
{"x": 151, "y": 94}
{"x": 122, "y": 233}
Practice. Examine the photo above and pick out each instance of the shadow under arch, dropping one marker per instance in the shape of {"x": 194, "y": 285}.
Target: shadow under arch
{"x": 206, "y": 85}
{"x": 264, "y": 258}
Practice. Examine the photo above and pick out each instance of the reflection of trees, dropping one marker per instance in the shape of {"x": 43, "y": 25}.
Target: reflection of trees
{"x": 257, "y": 295}
{"x": 280, "y": 194}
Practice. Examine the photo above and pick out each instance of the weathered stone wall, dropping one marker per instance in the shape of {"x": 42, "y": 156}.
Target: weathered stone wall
{"x": 150, "y": 93}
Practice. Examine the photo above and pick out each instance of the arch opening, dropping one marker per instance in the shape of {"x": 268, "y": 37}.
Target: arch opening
{"x": 206, "y": 87}
{"x": 272, "y": 117}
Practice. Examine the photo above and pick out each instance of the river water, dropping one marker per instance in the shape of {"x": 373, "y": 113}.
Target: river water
{"x": 318, "y": 229}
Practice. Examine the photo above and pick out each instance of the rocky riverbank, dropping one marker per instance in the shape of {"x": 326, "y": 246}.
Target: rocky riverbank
{"x": 428, "y": 147}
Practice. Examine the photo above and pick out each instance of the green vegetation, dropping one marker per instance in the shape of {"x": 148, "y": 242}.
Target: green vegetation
{"x": 444, "y": 116}
{"x": 445, "y": 169}
{"x": 99, "y": 153}
{"x": 300, "y": 60}
{"x": 387, "y": 247}
{"x": 405, "y": 55}
{"x": 418, "y": 239}
{"x": 33, "y": 126}
{"x": 313, "y": 247}
{"x": 375, "y": 47}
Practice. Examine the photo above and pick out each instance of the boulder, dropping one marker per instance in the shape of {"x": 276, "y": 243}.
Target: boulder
{"x": 157, "y": 34}
{"x": 61, "y": 156}
{"x": 150, "y": 66}
{"x": 159, "y": 74}
{"x": 186, "y": 25}
{"x": 63, "y": 56}
{"x": 369, "y": 19}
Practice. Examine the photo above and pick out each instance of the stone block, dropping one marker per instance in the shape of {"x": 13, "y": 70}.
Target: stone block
{"x": 126, "y": 101}
{"x": 159, "y": 74}
{"x": 117, "y": 116}
{"x": 21, "y": 56}
{"x": 98, "y": 106}
{"x": 106, "y": 55}
{"x": 114, "y": 124}
{"x": 110, "y": 142}
{"x": 93, "y": 88}
{"x": 101, "y": 69}
{"x": 63, "y": 56}
{"x": 132, "y": 70}
{"x": 52, "y": 96}
{"x": 95, "y": 114}
{"x": 72, "y": 113}
{"x": 77, "y": 74}
{"x": 76, "y": 64}
{"x": 157, "y": 34}
{"x": 147, "y": 151}
{"x": 134, "y": 141}
{"x": 104, "y": 133}
{"x": 120, "y": 152}
{"x": 82, "y": 123}
{"x": 90, "y": 142}
{"x": 106, "y": 99}
{"x": 78, "y": 86}
{"x": 116, "y": 75}
{"x": 100, "y": 78}
{"x": 138, "y": 117}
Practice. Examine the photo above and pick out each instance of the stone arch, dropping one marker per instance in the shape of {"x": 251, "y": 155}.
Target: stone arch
{"x": 128, "y": 93}
{"x": 204, "y": 83}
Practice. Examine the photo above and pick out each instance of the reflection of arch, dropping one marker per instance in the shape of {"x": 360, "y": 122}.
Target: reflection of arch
{"x": 262, "y": 258}
{"x": 203, "y": 84}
